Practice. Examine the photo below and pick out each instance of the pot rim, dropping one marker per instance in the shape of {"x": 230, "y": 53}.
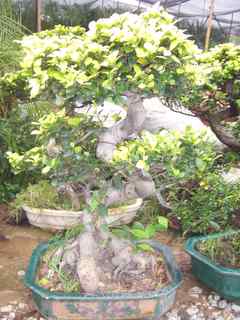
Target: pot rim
{"x": 190, "y": 248}
{"x": 56, "y": 212}
{"x": 175, "y": 273}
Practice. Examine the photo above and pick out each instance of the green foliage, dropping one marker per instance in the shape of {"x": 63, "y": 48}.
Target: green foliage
{"x": 11, "y": 29}
{"x": 139, "y": 231}
{"x": 198, "y": 30}
{"x": 41, "y": 195}
{"x": 146, "y": 53}
{"x": 15, "y": 136}
{"x": 65, "y": 149}
{"x": 67, "y": 13}
{"x": 72, "y": 14}
{"x": 208, "y": 206}
{"x": 67, "y": 281}
{"x": 188, "y": 170}
{"x": 219, "y": 87}
{"x": 223, "y": 250}
{"x": 180, "y": 156}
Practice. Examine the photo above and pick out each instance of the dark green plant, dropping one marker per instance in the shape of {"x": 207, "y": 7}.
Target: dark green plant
{"x": 188, "y": 169}
{"x": 64, "y": 13}
{"x": 198, "y": 31}
{"x": 224, "y": 250}
{"x": 41, "y": 195}
{"x": 15, "y": 136}
{"x": 207, "y": 206}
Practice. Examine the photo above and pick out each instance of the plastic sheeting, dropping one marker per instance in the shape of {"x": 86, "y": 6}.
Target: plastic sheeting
{"x": 226, "y": 13}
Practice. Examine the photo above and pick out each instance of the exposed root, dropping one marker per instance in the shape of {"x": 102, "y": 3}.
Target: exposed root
{"x": 101, "y": 259}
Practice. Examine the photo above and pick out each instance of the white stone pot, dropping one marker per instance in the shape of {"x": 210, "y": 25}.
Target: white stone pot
{"x": 63, "y": 219}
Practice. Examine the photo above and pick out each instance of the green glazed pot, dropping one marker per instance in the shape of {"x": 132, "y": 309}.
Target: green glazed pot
{"x": 225, "y": 281}
{"x": 73, "y": 306}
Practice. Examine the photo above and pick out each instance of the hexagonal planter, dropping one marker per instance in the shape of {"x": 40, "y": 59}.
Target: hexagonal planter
{"x": 225, "y": 281}
{"x": 112, "y": 306}
{"x": 62, "y": 219}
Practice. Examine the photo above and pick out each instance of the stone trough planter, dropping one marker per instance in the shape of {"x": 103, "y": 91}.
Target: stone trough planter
{"x": 62, "y": 219}
{"x": 225, "y": 281}
{"x": 112, "y": 306}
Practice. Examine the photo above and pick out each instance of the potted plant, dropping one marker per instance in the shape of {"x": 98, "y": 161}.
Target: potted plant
{"x": 215, "y": 261}
{"x": 110, "y": 305}
{"x": 46, "y": 208}
{"x": 126, "y": 58}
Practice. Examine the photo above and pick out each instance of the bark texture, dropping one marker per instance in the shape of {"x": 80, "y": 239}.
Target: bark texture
{"x": 97, "y": 257}
{"x": 122, "y": 130}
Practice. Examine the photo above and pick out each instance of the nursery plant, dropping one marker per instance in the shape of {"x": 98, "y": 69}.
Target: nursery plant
{"x": 215, "y": 261}
{"x": 216, "y": 99}
{"x": 188, "y": 170}
{"x": 223, "y": 250}
{"x": 124, "y": 58}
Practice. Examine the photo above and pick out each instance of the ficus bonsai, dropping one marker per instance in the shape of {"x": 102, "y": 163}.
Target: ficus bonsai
{"x": 216, "y": 99}
{"x": 125, "y": 58}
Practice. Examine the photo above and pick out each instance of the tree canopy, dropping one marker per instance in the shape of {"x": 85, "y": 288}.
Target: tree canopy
{"x": 144, "y": 53}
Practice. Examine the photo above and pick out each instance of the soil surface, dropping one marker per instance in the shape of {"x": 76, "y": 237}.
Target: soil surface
{"x": 224, "y": 251}
{"x": 193, "y": 301}
{"x": 153, "y": 278}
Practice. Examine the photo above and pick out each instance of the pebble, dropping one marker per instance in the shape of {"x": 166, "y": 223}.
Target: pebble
{"x": 235, "y": 308}
{"x": 6, "y": 309}
{"x": 222, "y": 304}
{"x": 173, "y": 315}
{"x": 21, "y": 273}
{"x": 22, "y": 306}
{"x": 213, "y": 300}
{"x": 195, "y": 292}
{"x": 211, "y": 307}
{"x": 193, "y": 310}
{"x": 11, "y": 315}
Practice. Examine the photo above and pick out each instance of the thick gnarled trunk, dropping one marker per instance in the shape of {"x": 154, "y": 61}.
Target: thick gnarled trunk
{"x": 96, "y": 253}
{"x": 122, "y": 130}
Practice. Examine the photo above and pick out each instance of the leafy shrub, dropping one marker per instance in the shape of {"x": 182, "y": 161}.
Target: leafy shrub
{"x": 146, "y": 52}
{"x": 198, "y": 30}
{"x": 224, "y": 251}
{"x": 209, "y": 206}
{"x": 188, "y": 170}
{"x": 67, "y": 13}
{"x": 41, "y": 195}
{"x": 15, "y": 136}
{"x": 65, "y": 148}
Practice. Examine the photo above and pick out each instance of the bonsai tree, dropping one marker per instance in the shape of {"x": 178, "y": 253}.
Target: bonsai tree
{"x": 216, "y": 99}
{"x": 124, "y": 58}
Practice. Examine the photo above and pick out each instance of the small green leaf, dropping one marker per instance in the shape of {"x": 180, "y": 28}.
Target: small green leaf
{"x": 46, "y": 169}
{"x": 43, "y": 282}
{"x": 150, "y": 230}
{"x": 138, "y": 225}
{"x": 200, "y": 164}
{"x": 138, "y": 234}
{"x": 162, "y": 223}
{"x": 93, "y": 204}
{"x": 145, "y": 247}
{"x": 103, "y": 211}
{"x": 104, "y": 228}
